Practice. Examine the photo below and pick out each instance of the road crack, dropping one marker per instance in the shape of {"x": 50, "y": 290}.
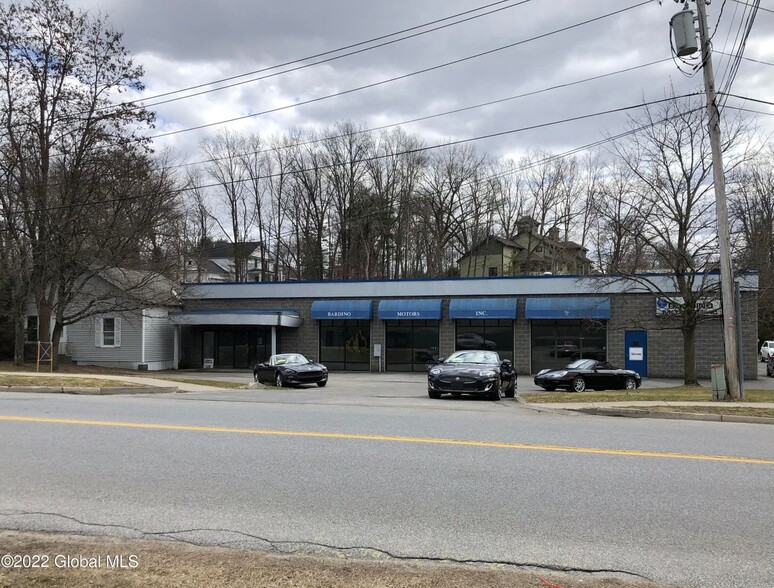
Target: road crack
{"x": 290, "y": 547}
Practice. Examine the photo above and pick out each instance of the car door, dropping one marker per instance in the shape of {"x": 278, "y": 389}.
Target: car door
{"x": 266, "y": 373}
{"x": 607, "y": 377}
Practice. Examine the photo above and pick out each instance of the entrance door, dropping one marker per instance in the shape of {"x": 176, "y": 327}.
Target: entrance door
{"x": 636, "y": 350}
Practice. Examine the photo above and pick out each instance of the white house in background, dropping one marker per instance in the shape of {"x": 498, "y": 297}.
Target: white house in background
{"x": 217, "y": 264}
{"x": 132, "y": 330}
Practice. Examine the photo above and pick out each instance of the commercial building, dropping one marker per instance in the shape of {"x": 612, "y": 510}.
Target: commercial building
{"x": 397, "y": 325}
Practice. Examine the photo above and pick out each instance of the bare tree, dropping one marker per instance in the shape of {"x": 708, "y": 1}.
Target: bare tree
{"x": 668, "y": 157}
{"x": 225, "y": 165}
{"x": 70, "y": 151}
{"x": 751, "y": 208}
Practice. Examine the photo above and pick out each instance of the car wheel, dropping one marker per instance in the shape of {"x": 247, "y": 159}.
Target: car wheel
{"x": 255, "y": 376}
{"x": 278, "y": 380}
{"x": 578, "y": 384}
{"x": 630, "y": 383}
{"x": 549, "y": 388}
{"x": 433, "y": 394}
{"x": 496, "y": 394}
{"x": 322, "y": 384}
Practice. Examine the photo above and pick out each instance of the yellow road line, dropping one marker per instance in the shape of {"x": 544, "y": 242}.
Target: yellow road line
{"x": 437, "y": 441}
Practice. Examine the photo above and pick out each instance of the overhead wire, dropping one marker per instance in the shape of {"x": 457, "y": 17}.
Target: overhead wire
{"x": 403, "y": 76}
{"x": 388, "y": 155}
{"x": 337, "y": 50}
{"x": 429, "y": 116}
{"x": 136, "y": 102}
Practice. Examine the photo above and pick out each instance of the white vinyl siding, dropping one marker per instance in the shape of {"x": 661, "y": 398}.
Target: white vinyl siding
{"x": 159, "y": 336}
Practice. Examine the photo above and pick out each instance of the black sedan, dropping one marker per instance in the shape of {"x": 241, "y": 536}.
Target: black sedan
{"x": 588, "y": 374}
{"x": 290, "y": 369}
{"x": 472, "y": 372}
{"x": 770, "y": 366}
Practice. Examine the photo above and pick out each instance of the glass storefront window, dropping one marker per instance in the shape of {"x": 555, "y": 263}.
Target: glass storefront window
{"x": 236, "y": 348}
{"x": 555, "y": 343}
{"x": 495, "y": 335}
{"x": 345, "y": 345}
{"x": 410, "y": 344}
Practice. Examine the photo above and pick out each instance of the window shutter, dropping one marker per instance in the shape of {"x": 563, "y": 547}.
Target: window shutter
{"x": 117, "y": 336}
{"x": 97, "y": 332}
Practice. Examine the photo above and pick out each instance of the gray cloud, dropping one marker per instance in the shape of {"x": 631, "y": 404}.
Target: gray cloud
{"x": 193, "y": 42}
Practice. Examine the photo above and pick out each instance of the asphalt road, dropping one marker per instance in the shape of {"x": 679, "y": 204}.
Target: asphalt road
{"x": 389, "y": 470}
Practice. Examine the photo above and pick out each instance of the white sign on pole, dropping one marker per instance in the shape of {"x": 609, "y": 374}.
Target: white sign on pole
{"x": 209, "y": 363}
{"x": 377, "y": 349}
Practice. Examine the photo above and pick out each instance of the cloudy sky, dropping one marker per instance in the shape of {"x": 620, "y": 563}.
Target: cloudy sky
{"x": 195, "y": 43}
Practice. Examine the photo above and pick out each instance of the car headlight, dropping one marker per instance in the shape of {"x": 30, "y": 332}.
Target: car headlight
{"x": 487, "y": 373}
{"x": 435, "y": 371}
{"x": 290, "y": 372}
{"x": 541, "y": 372}
{"x": 558, "y": 375}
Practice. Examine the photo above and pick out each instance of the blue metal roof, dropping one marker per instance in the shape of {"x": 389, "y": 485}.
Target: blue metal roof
{"x": 342, "y": 309}
{"x": 483, "y": 308}
{"x": 568, "y": 307}
{"x": 408, "y": 309}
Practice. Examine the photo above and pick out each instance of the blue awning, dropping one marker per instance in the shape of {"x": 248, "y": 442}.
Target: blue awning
{"x": 342, "y": 309}
{"x": 483, "y": 308}
{"x": 418, "y": 308}
{"x": 570, "y": 307}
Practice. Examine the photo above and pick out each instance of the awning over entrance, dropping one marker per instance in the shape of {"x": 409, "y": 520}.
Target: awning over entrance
{"x": 241, "y": 317}
{"x": 416, "y": 309}
{"x": 569, "y": 307}
{"x": 342, "y": 309}
{"x": 483, "y": 308}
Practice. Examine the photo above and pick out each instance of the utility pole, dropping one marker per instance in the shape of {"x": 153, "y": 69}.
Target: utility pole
{"x": 730, "y": 332}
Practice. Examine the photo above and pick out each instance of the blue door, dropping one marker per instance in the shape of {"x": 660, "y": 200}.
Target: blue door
{"x": 636, "y": 351}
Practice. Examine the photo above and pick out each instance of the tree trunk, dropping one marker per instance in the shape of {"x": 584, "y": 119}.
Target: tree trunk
{"x": 19, "y": 331}
{"x": 689, "y": 354}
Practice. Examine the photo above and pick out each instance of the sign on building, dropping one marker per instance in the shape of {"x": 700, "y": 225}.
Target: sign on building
{"x": 673, "y": 306}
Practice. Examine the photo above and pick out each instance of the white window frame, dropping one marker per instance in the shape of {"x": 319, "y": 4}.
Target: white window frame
{"x": 99, "y": 332}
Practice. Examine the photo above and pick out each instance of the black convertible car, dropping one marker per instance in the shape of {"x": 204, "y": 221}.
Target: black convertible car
{"x": 290, "y": 369}
{"x": 472, "y": 372}
{"x": 588, "y": 374}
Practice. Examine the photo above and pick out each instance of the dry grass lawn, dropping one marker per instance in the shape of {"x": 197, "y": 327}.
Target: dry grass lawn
{"x": 676, "y": 394}
{"x": 724, "y": 410}
{"x": 167, "y": 564}
{"x": 70, "y": 382}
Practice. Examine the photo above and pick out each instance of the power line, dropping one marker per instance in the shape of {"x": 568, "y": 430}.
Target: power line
{"x": 307, "y": 65}
{"x": 401, "y": 77}
{"x": 430, "y": 116}
{"x": 747, "y": 98}
{"x": 744, "y": 58}
{"x": 344, "y": 48}
{"x": 135, "y": 106}
{"x": 387, "y": 155}
{"x": 759, "y": 8}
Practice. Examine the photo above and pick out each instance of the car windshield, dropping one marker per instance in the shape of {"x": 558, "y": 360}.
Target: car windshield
{"x": 289, "y": 359}
{"x": 473, "y": 357}
{"x": 582, "y": 364}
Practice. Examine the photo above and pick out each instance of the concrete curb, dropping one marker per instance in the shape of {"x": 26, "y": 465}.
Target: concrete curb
{"x": 94, "y": 391}
{"x": 687, "y": 416}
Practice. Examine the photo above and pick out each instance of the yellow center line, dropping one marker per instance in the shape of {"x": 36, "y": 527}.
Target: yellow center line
{"x": 400, "y": 439}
